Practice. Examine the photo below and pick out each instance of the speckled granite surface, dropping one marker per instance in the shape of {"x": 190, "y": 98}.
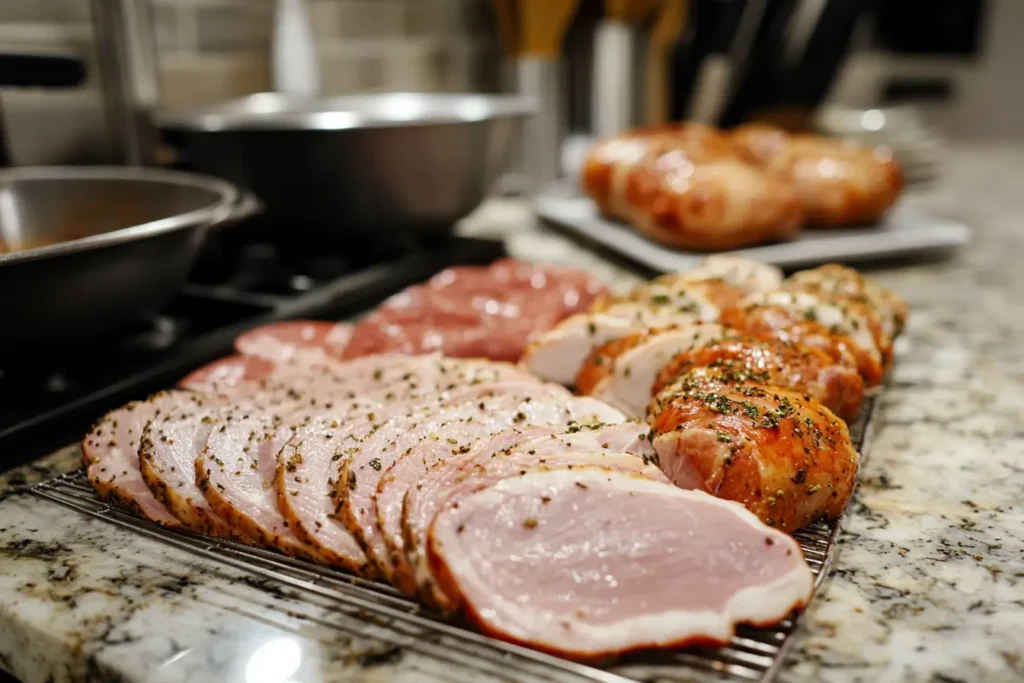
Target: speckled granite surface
{"x": 928, "y": 584}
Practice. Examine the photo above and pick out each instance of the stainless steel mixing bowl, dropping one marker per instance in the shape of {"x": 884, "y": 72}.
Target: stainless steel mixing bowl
{"x": 91, "y": 250}
{"x": 350, "y": 169}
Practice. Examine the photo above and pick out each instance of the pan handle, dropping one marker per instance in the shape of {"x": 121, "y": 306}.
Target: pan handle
{"x": 245, "y": 206}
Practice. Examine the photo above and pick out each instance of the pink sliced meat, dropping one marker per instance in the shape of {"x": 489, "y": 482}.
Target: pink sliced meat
{"x": 111, "y": 453}
{"x": 243, "y": 376}
{"x": 589, "y": 563}
{"x": 471, "y": 311}
{"x": 314, "y": 339}
{"x": 468, "y": 415}
{"x": 236, "y": 469}
{"x": 302, "y": 486}
{"x": 228, "y": 375}
{"x": 240, "y": 376}
{"x": 584, "y": 419}
{"x": 308, "y": 467}
{"x": 511, "y": 453}
{"x": 170, "y": 444}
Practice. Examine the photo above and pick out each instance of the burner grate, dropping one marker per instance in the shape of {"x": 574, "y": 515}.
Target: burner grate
{"x": 229, "y": 292}
{"x": 378, "y": 611}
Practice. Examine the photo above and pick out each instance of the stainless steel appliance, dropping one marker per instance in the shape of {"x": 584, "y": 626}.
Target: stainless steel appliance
{"x": 84, "y": 252}
{"x": 343, "y": 171}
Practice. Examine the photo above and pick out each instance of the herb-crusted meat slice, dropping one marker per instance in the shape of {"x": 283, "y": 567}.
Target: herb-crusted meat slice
{"x": 611, "y": 562}
{"x": 457, "y": 431}
{"x": 513, "y": 452}
{"x": 111, "y": 454}
{"x": 787, "y": 459}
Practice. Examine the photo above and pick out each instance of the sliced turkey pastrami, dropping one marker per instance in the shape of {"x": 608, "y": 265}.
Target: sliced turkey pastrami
{"x": 235, "y": 472}
{"x": 302, "y": 485}
{"x": 492, "y": 407}
{"x": 308, "y": 467}
{"x": 242, "y": 376}
{"x": 457, "y": 436}
{"x": 589, "y": 563}
{"x": 168, "y": 450}
{"x": 111, "y": 453}
{"x": 510, "y": 453}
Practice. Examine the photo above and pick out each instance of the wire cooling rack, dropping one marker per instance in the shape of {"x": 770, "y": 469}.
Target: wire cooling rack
{"x": 360, "y": 607}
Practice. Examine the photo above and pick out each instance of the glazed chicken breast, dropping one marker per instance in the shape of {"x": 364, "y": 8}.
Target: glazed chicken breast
{"x": 744, "y": 273}
{"x": 687, "y": 187}
{"x": 838, "y": 183}
{"x": 622, "y": 373}
{"x": 786, "y": 458}
{"x": 609, "y": 161}
{"x": 776, "y": 363}
{"x": 842, "y": 331}
{"x": 846, "y": 284}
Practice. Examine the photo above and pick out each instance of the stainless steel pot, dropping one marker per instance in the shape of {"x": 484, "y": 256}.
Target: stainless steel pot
{"x": 91, "y": 250}
{"x": 372, "y": 167}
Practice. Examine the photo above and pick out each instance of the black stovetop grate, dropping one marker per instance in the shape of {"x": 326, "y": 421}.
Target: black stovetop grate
{"x": 233, "y": 287}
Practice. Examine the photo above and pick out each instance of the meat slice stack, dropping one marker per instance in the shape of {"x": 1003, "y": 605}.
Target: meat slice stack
{"x": 388, "y": 465}
{"x": 509, "y": 453}
{"x": 678, "y": 300}
{"x": 700, "y": 189}
{"x": 591, "y": 562}
{"x": 716, "y": 393}
{"x": 562, "y": 522}
{"x": 467, "y": 312}
{"x": 688, "y": 186}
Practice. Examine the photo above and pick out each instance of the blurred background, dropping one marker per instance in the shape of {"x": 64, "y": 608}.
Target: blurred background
{"x": 308, "y": 201}
{"x": 948, "y": 68}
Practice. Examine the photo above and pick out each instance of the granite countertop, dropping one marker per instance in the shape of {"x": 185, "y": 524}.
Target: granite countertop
{"x": 928, "y": 584}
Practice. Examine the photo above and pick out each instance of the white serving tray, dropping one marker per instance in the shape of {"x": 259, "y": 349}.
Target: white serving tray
{"x": 902, "y": 232}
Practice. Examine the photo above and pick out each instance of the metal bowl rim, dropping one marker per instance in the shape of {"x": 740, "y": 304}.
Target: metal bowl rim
{"x": 208, "y": 216}
{"x": 329, "y": 113}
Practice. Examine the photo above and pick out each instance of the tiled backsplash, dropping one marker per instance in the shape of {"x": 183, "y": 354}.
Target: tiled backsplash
{"x": 216, "y": 49}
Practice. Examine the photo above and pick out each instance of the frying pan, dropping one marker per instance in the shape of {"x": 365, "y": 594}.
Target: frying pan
{"x": 85, "y": 252}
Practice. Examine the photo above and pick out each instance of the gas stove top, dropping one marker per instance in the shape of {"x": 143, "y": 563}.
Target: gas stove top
{"x": 234, "y": 286}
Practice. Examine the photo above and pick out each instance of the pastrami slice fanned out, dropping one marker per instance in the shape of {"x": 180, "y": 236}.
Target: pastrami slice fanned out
{"x": 243, "y": 376}
{"x": 589, "y": 563}
{"x": 309, "y": 465}
{"x": 478, "y": 411}
{"x": 458, "y": 436}
{"x": 302, "y": 486}
{"x": 111, "y": 453}
{"x": 235, "y": 472}
{"x": 622, "y": 446}
{"x": 170, "y": 444}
